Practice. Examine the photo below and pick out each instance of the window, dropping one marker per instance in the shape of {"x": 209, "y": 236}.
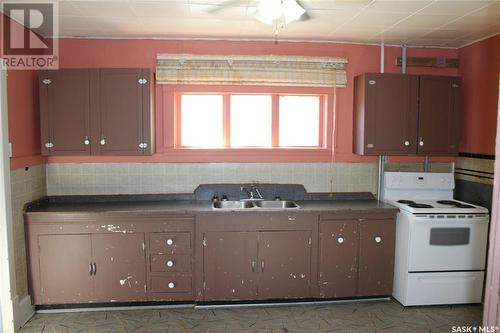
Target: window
{"x": 299, "y": 124}
{"x": 228, "y": 120}
{"x": 201, "y": 121}
{"x": 251, "y": 120}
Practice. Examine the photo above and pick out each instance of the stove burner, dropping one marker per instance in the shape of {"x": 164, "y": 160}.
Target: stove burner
{"x": 454, "y": 203}
{"x": 420, "y": 205}
{"x": 406, "y": 201}
{"x": 414, "y": 204}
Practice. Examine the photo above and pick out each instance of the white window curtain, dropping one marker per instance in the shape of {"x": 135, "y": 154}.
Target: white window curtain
{"x": 270, "y": 70}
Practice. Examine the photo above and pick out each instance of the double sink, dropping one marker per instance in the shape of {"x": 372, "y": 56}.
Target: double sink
{"x": 254, "y": 204}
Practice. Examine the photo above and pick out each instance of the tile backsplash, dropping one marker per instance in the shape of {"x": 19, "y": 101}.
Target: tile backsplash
{"x": 152, "y": 178}
{"x": 147, "y": 178}
{"x": 26, "y": 185}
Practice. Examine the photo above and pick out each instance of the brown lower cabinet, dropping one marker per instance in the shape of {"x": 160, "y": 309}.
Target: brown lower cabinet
{"x": 356, "y": 256}
{"x": 92, "y": 268}
{"x": 257, "y": 265}
{"x": 102, "y": 258}
{"x": 99, "y": 258}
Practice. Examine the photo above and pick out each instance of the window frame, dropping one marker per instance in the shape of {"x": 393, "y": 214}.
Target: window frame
{"x": 166, "y": 127}
{"x": 226, "y": 118}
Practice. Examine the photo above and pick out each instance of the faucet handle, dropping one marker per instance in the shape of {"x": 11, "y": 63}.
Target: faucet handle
{"x": 277, "y": 198}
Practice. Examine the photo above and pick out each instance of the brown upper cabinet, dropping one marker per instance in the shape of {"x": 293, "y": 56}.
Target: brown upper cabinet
{"x": 401, "y": 114}
{"x": 96, "y": 112}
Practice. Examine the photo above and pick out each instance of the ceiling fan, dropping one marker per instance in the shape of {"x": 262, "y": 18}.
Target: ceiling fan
{"x": 268, "y": 11}
{"x": 272, "y": 11}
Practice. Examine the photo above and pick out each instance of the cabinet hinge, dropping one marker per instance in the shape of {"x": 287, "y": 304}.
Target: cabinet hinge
{"x": 46, "y": 81}
{"x": 145, "y": 289}
{"x": 310, "y": 241}
{"x": 142, "y": 81}
{"x": 204, "y": 285}
{"x": 204, "y": 241}
{"x": 143, "y": 246}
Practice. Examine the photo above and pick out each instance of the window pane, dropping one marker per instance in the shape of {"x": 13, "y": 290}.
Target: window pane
{"x": 201, "y": 121}
{"x": 251, "y": 120}
{"x": 299, "y": 121}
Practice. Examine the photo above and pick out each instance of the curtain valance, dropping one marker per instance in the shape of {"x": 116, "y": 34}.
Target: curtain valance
{"x": 269, "y": 70}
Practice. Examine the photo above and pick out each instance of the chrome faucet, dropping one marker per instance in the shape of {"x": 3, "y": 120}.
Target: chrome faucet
{"x": 251, "y": 193}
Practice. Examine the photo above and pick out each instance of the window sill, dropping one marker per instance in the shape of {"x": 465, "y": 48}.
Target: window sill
{"x": 292, "y": 154}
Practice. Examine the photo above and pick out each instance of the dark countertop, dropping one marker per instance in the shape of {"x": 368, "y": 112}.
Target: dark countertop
{"x": 193, "y": 207}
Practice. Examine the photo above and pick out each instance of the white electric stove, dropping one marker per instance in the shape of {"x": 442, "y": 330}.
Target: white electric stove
{"x": 440, "y": 242}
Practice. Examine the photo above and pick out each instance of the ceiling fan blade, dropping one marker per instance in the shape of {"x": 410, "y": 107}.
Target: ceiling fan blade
{"x": 306, "y": 16}
{"x": 214, "y": 9}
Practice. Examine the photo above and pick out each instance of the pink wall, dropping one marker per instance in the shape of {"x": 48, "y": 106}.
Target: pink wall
{"x": 480, "y": 67}
{"x": 142, "y": 53}
{"x": 24, "y": 118}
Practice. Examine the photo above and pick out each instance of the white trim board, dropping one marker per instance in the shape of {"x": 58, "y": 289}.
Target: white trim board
{"x": 7, "y": 269}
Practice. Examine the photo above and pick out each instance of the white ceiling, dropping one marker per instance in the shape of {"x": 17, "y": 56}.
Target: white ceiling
{"x": 441, "y": 23}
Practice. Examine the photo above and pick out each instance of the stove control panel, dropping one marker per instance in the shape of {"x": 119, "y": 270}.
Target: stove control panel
{"x": 419, "y": 180}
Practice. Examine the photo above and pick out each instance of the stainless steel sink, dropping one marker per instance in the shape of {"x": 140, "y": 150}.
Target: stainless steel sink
{"x": 276, "y": 204}
{"x": 232, "y": 204}
{"x": 260, "y": 204}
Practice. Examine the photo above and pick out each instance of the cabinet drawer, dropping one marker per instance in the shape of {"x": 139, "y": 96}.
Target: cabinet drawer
{"x": 171, "y": 263}
{"x": 170, "y": 242}
{"x": 171, "y": 284}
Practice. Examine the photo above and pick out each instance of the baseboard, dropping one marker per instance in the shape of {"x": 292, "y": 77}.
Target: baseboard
{"x": 23, "y": 310}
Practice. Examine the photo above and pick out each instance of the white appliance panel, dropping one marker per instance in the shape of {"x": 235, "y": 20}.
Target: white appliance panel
{"x": 447, "y": 244}
{"x": 443, "y": 288}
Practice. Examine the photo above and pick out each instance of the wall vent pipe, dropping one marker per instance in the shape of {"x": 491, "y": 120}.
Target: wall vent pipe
{"x": 403, "y": 59}
{"x": 381, "y": 158}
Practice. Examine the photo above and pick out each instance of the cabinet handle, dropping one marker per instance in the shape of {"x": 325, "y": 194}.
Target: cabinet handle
{"x": 49, "y": 145}
{"x": 91, "y": 269}
{"x": 291, "y": 218}
{"x": 253, "y": 266}
{"x": 169, "y": 242}
{"x": 103, "y": 142}
{"x": 86, "y": 141}
{"x": 340, "y": 240}
{"x": 170, "y": 263}
{"x": 378, "y": 239}
{"x": 171, "y": 285}
{"x": 95, "y": 269}
{"x": 421, "y": 142}
{"x": 262, "y": 266}
{"x": 407, "y": 143}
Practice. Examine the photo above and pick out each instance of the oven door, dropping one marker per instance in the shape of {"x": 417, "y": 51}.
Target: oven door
{"x": 448, "y": 242}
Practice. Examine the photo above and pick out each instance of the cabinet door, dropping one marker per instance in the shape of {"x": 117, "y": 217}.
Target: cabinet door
{"x": 65, "y": 112}
{"x": 439, "y": 108}
{"x": 376, "y": 257}
{"x": 338, "y": 258}
{"x": 284, "y": 264}
{"x": 391, "y": 107}
{"x": 120, "y": 267}
{"x": 119, "y": 96}
{"x": 230, "y": 265}
{"x": 65, "y": 269}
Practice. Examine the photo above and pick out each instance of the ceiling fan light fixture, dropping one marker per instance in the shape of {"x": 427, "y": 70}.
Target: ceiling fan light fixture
{"x": 269, "y": 10}
{"x": 292, "y": 10}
